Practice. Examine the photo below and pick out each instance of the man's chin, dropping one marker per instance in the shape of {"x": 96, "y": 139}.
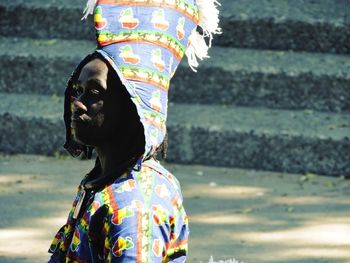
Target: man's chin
{"x": 87, "y": 139}
{"x": 92, "y": 136}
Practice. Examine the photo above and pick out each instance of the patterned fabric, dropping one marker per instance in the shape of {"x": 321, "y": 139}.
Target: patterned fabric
{"x": 139, "y": 218}
{"x": 144, "y": 41}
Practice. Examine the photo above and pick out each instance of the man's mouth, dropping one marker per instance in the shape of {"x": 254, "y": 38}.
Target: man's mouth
{"x": 79, "y": 119}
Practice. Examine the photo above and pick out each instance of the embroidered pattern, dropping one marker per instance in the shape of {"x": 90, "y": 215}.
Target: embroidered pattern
{"x": 121, "y": 245}
{"x": 156, "y": 120}
{"x": 152, "y": 77}
{"x": 158, "y": 247}
{"x": 125, "y": 212}
{"x": 169, "y": 42}
{"x": 162, "y": 190}
{"x": 180, "y": 31}
{"x": 127, "y": 19}
{"x": 128, "y": 56}
{"x": 100, "y": 22}
{"x": 127, "y": 186}
{"x": 159, "y": 21}
{"x": 155, "y": 101}
{"x": 157, "y": 60}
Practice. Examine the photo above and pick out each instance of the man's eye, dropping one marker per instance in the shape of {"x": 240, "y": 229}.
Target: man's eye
{"x": 79, "y": 91}
{"x": 95, "y": 92}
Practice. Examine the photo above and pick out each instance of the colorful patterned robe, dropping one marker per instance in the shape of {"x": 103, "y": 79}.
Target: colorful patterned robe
{"x": 139, "y": 218}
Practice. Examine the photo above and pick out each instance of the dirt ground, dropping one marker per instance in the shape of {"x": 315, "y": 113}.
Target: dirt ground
{"x": 246, "y": 215}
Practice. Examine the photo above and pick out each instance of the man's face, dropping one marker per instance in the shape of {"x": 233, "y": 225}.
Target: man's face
{"x": 96, "y": 107}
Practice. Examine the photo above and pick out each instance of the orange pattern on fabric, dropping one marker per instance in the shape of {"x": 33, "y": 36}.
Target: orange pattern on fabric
{"x": 113, "y": 204}
{"x": 154, "y": 123}
{"x": 138, "y": 205}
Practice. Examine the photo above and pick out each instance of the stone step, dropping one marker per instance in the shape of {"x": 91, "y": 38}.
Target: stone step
{"x": 300, "y": 25}
{"x": 257, "y": 138}
{"x": 45, "y": 19}
{"x": 243, "y": 77}
{"x": 315, "y": 26}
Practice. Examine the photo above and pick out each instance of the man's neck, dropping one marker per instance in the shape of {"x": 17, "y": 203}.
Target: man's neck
{"x": 114, "y": 156}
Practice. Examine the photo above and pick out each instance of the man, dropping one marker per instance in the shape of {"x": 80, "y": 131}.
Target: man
{"x": 129, "y": 208}
{"x": 122, "y": 213}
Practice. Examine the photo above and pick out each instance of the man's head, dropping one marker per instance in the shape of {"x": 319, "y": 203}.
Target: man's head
{"x": 102, "y": 109}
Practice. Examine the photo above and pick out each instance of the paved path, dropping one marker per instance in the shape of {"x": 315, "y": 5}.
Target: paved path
{"x": 248, "y": 215}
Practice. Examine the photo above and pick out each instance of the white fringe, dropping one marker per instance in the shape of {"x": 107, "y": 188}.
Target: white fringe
{"x": 197, "y": 49}
{"x": 209, "y": 22}
{"x": 89, "y": 9}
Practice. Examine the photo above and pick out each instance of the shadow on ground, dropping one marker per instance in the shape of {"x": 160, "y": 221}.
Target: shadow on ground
{"x": 248, "y": 215}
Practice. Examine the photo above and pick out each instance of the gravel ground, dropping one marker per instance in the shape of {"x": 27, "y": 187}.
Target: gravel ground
{"x": 247, "y": 215}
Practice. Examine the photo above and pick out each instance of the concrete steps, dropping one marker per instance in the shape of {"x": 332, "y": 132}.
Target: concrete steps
{"x": 308, "y": 25}
{"x": 314, "y": 26}
{"x": 274, "y": 96}
{"x": 258, "y": 138}
{"x": 243, "y": 77}
{"x": 44, "y": 19}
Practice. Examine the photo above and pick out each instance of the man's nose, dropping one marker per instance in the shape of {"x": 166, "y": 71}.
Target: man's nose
{"x": 79, "y": 106}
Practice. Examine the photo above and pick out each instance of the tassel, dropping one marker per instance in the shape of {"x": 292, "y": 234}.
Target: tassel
{"x": 209, "y": 18}
{"x": 89, "y": 9}
{"x": 209, "y": 23}
{"x": 197, "y": 49}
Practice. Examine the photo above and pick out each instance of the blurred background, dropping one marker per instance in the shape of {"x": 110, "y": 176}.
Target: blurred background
{"x": 274, "y": 98}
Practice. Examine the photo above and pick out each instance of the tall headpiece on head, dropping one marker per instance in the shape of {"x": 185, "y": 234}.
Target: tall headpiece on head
{"x": 144, "y": 42}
